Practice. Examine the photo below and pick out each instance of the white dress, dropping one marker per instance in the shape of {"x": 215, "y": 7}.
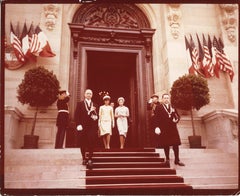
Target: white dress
{"x": 106, "y": 119}
{"x": 122, "y": 123}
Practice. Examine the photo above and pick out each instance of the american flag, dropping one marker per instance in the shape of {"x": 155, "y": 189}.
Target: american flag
{"x": 39, "y": 45}
{"x": 217, "y": 57}
{"x": 195, "y": 67}
{"x": 220, "y": 59}
{"x": 34, "y": 43}
{"x": 17, "y": 46}
{"x": 226, "y": 63}
{"x": 207, "y": 60}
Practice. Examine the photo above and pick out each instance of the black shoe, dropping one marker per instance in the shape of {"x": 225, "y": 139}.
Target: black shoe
{"x": 89, "y": 164}
{"x": 84, "y": 162}
{"x": 167, "y": 161}
{"x": 179, "y": 163}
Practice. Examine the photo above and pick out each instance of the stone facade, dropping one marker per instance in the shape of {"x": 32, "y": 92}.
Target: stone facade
{"x": 171, "y": 23}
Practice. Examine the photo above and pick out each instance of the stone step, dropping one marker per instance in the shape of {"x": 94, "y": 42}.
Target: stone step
{"x": 130, "y": 171}
{"x": 127, "y": 159}
{"x": 126, "y": 179}
{"x": 61, "y": 168}
{"x": 218, "y": 186}
{"x": 44, "y": 161}
{"x": 207, "y": 166}
{"x": 44, "y": 175}
{"x": 125, "y": 150}
{"x": 158, "y": 186}
{"x": 125, "y": 154}
{"x": 45, "y": 184}
{"x": 196, "y": 152}
{"x": 197, "y": 180}
{"x": 130, "y": 165}
{"x": 41, "y": 168}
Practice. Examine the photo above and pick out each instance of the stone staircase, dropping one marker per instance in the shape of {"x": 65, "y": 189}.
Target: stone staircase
{"x": 207, "y": 168}
{"x": 62, "y": 169}
{"x": 133, "y": 170}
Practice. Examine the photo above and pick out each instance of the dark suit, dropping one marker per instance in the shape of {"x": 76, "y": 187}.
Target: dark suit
{"x": 169, "y": 134}
{"x": 87, "y": 137}
{"x": 151, "y": 107}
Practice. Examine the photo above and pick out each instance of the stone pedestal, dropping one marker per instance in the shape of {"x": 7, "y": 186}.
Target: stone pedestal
{"x": 13, "y": 137}
{"x": 17, "y": 125}
{"x": 221, "y": 128}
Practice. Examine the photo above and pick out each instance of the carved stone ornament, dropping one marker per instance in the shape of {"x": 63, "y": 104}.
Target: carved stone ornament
{"x": 229, "y": 20}
{"x": 111, "y": 16}
{"x": 174, "y": 16}
{"x": 51, "y": 13}
{"x": 111, "y": 23}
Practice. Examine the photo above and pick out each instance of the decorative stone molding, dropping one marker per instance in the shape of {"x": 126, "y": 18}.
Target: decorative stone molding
{"x": 51, "y": 12}
{"x": 114, "y": 15}
{"x": 229, "y": 20}
{"x": 174, "y": 16}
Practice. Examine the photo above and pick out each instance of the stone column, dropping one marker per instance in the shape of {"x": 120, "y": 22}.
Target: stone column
{"x": 176, "y": 62}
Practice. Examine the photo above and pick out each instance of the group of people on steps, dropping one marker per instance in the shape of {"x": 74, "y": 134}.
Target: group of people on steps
{"x": 93, "y": 122}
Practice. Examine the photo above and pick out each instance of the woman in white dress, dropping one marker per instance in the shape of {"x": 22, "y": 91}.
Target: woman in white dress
{"x": 121, "y": 113}
{"x": 106, "y": 121}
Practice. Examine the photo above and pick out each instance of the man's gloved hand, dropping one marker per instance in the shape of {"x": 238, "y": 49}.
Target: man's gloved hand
{"x": 157, "y": 130}
{"x": 79, "y": 128}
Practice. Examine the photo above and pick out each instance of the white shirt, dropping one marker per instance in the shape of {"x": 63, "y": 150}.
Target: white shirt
{"x": 88, "y": 102}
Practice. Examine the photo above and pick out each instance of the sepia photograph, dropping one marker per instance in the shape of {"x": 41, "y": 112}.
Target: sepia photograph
{"x": 119, "y": 97}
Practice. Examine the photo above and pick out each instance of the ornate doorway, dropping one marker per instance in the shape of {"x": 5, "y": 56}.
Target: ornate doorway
{"x": 114, "y": 31}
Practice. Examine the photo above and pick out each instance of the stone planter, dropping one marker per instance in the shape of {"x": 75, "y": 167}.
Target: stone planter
{"x": 30, "y": 142}
{"x": 195, "y": 141}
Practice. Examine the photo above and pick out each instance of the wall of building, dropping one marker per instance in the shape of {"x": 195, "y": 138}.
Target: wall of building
{"x": 168, "y": 56}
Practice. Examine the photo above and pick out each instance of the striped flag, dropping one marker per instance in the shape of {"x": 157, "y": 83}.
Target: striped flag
{"x": 188, "y": 51}
{"x": 39, "y": 45}
{"x": 217, "y": 57}
{"x": 200, "y": 57}
{"x": 26, "y": 44}
{"x": 207, "y": 60}
{"x": 194, "y": 69}
{"x": 17, "y": 46}
{"x": 226, "y": 63}
{"x": 24, "y": 38}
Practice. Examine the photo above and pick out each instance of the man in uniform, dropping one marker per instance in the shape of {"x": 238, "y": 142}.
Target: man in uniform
{"x": 165, "y": 123}
{"x": 152, "y": 103}
{"x": 62, "y": 117}
{"x": 87, "y": 124}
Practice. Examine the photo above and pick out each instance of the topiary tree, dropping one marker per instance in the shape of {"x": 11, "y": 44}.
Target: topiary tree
{"x": 38, "y": 88}
{"x": 190, "y": 92}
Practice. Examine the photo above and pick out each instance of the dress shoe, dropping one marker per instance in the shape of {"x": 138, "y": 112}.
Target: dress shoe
{"x": 167, "y": 161}
{"x": 89, "y": 164}
{"x": 179, "y": 163}
{"x": 84, "y": 162}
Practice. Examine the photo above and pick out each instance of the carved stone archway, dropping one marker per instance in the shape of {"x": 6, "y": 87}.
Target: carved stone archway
{"x": 119, "y": 28}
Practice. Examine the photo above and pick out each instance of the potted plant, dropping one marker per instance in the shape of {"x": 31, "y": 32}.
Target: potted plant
{"x": 190, "y": 92}
{"x": 39, "y": 88}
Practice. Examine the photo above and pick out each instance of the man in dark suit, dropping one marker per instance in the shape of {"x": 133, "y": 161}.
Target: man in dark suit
{"x": 152, "y": 103}
{"x": 165, "y": 120}
{"x": 87, "y": 124}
